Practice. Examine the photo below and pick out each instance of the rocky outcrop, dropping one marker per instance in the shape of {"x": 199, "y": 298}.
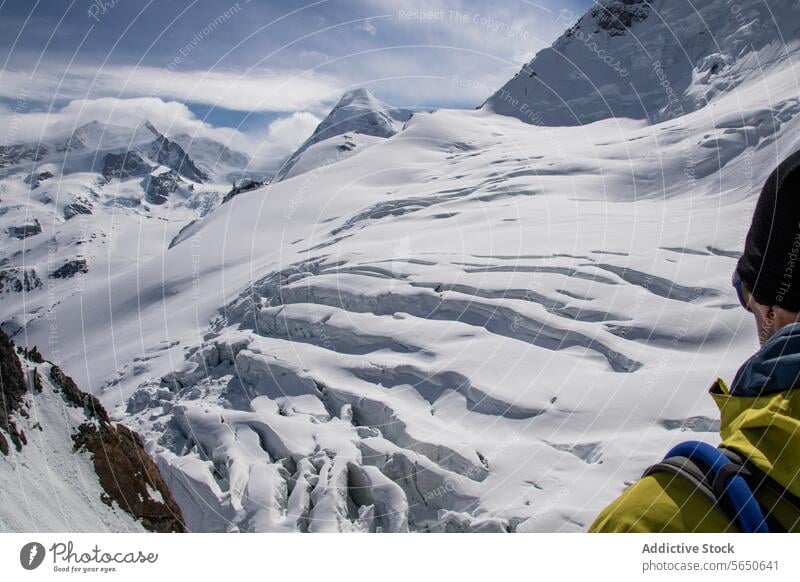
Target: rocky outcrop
{"x": 25, "y": 230}
{"x": 617, "y": 16}
{"x": 70, "y": 269}
{"x": 75, "y": 208}
{"x": 75, "y": 396}
{"x": 244, "y": 186}
{"x": 124, "y": 165}
{"x": 158, "y": 188}
{"x": 12, "y": 389}
{"x": 169, "y": 153}
{"x": 19, "y": 279}
{"x": 35, "y": 179}
{"x": 18, "y": 153}
{"x": 127, "y": 475}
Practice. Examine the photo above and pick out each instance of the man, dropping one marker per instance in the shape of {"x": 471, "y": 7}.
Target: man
{"x": 760, "y": 412}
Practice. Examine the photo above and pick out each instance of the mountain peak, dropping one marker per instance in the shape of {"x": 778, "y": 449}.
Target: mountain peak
{"x": 89, "y": 126}
{"x": 357, "y": 111}
{"x": 678, "y": 57}
{"x": 148, "y": 126}
{"x": 359, "y": 96}
{"x": 99, "y": 135}
{"x": 617, "y": 16}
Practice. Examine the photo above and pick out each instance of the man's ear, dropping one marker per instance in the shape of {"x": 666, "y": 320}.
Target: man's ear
{"x": 765, "y": 320}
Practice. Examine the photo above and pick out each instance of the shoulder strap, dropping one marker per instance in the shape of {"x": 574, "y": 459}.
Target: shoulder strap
{"x": 688, "y": 470}
{"x": 718, "y": 478}
{"x": 759, "y": 482}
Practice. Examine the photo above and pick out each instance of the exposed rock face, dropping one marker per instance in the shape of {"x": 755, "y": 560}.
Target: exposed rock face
{"x": 170, "y": 154}
{"x": 25, "y": 230}
{"x": 18, "y": 279}
{"x": 76, "y": 397}
{"x": 35, "y": 179}
{"x": 157, "y": 188}
{"x": 617, "y": 16}
{"x": 70, "y": 269}
{"x": 244, "y": 186}
{"x": 12, "y": 389}
{"x": 17, "y": 153}
{"x": 124, "y": 165}
{"x": 127, "y": 475}
{"x": 75, "y": 208}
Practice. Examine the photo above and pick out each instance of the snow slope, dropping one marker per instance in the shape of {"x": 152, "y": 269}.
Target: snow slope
{"x": 329, "y": 151}
{"x": 354, "y": 123}
{"x": 94, "y": 202}
{"x": 652, "y": 60}
{"x": 65, "y": 467}
{"x": 475, "y": 325}
{"x": 48, "y": 487}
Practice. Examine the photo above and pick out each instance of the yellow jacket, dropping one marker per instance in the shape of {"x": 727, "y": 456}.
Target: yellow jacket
{"x": 759, "y": 423}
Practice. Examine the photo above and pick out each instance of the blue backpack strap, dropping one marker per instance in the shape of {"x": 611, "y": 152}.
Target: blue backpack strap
{"x": 727, "y": 483}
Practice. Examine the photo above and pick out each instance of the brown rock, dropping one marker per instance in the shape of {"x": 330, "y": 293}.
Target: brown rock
{"x": 125, "y": 471}
{"x": 12, "y": 389}
{"x": 76, "y": 396}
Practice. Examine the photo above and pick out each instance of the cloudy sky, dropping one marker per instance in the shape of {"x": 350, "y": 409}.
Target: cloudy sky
{"x": 259, "y": 73}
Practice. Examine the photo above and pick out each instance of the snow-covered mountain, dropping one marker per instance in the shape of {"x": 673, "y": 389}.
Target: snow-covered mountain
{"x": 222, "y": 163}
{"x": 102, "y": 197}
{"x": 357, "y": 121}
{"x": 475, "y": 325}
{"x": 650, "y": 59}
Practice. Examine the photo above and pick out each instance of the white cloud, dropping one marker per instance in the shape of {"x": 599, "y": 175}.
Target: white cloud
{"x": 268, "y": 147}
{"x": 251, "y": 91}
{"x": 284, "y": 135}
{"x": 280, "y": 91}
{"x": 170, "y": 117}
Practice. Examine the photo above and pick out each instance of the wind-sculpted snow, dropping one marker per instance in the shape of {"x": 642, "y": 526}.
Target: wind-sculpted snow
{"x": 345, "y": 401}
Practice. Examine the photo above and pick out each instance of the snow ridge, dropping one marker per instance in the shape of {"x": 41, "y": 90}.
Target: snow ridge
{"x": 358, "y": 113}
{"x": 651, "y": 60}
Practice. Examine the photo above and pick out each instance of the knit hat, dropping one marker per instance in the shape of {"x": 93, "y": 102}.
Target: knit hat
{"x": 770, "y": 265}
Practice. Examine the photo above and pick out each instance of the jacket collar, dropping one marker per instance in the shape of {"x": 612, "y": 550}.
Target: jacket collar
{"x": 774, "y": 368}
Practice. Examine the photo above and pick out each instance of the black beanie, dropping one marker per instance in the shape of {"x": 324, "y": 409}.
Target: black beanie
{"x": 770, "y": 265}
